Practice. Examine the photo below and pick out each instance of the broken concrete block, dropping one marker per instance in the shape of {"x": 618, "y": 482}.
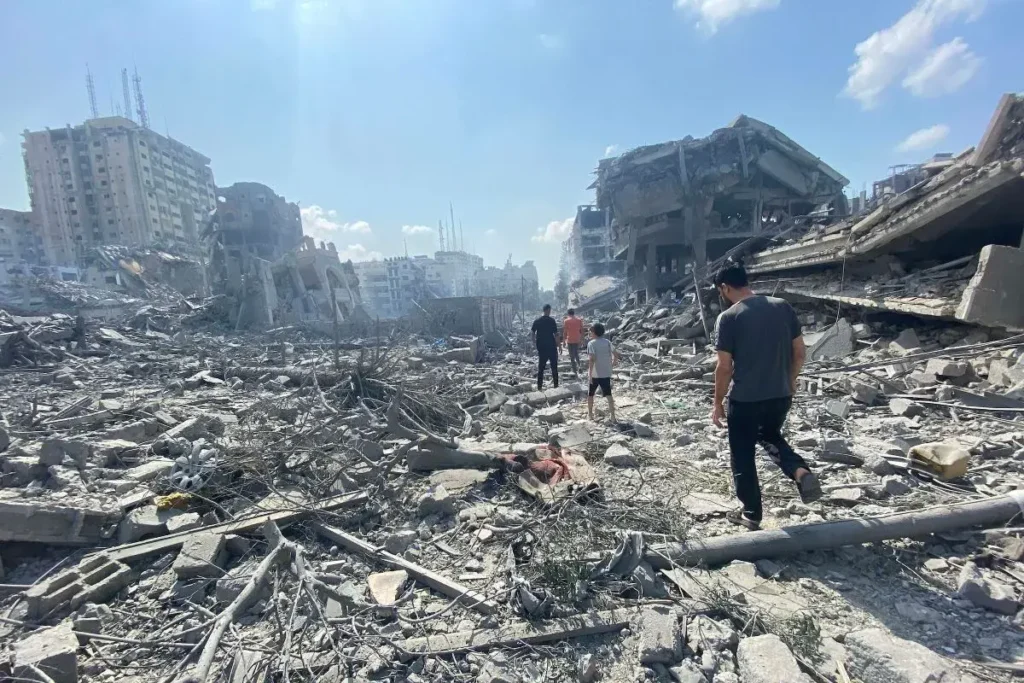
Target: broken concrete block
{"x": 398, "y": 542}
{"x": 704, "y": 633}
{"x": 847, "y": 497}
{"x": 838, "y": 408}
{"x": 586, "y": 669}
{"x": 95, "y": 579}
{"x": 766, "y": 659}
{"x": 878, "y": 656}
{"x": 649, "y": 582}
{"x": 659, "y": 635}
{"x": 906, "y": 343}
{"x": 618, "y": 455}
{"x": 524, "y": 410}
{"x": 895, "y": 486}
{"x": 371, "y": 450}
{"x": 835, "y": 342}
{"x": 231, "y": 586}
{"x": 148, "y": 471}
{"x": 346, "y": 598}
{"x": 947, "y": 460}
{"x": 201, "y": 555}
{"x": 921, "y": 380}
{"x": 941, "y": 367}
{"x": 861, "y": 331}
{"x": 863, "y": 393}
{"x": 436, "y": 501}
{"x": 196, "y": 428}
{"x": 684, "y": 440}
{"x": 552, "y": 416}
{"x": 509, "y": 409}
{"x": 144, "y": 522}
{"x": 879, "y": 465}
{"x": 385, "y": 586}
{"x": 51, "y": 452}
{"x": 903, "y": 407}
{"x": 642, "y": 430}
{"x": 1001, "y": 373}
{"x": 984, "y": 592}
{"x": 54, "y": 651}
{"x": 5, "y": 439}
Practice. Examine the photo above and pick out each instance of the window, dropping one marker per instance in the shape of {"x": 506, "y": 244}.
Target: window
{"x": 103, "y": 182}
{"x": 99, "y": 157}
{"x": 110, "y": 279}
{"x": 144, "y": 156}
{"x": 146, "y": 169}
{"x": 106, "y": 196}
{"x": 96, "y": 143}
{"x": 110, "y": 221}
{"x": 74, "y": 212}
{"x": 142, "y": 143}
{"x": 102, "y": 169}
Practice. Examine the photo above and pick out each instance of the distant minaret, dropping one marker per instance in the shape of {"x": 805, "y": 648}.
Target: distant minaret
{"x": 451, "y": 212}
{"x": 440, "y": 235}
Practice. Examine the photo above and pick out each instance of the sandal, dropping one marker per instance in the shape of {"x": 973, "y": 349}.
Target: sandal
{"x": 737, "y": 517}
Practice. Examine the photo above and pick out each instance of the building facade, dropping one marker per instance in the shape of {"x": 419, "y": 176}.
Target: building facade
{"x": 19, "y": 237}
{"x": 111, "y": 181}
{"x": 389, "y": 287}
{"x": 511, "y": 280}
{"x": 458, "y": 271}
{"x": 591, "y": 248}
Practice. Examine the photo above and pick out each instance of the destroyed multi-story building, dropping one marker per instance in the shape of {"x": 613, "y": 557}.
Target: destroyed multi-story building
{"x": 135, "y": 270}
{"x": 390, "y": 286}
{"x": 689, "y": 200}
{"x": 457, "y": 271}
{"x": 947, "y": 247}
{"x": 591, "y": 248}
{"x": 112, "y": 181}
{"x": 519, "y": 282}
{"x": 258, "y": 255}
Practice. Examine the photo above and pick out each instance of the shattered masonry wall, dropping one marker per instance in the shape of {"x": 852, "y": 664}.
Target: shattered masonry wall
{"x": 993, "y": 297}
{"x": 469, "y": 315}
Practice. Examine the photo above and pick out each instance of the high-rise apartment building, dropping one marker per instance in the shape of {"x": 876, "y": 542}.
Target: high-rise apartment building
{"x": 111, "y": 181}
{"x": 19, "y": 236}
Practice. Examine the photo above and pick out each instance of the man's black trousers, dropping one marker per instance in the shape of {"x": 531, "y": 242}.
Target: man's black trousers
{"x": 545, "y": 356}
{"x": 752, "y": 423}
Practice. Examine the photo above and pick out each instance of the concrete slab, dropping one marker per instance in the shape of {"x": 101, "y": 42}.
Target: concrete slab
{"x": 660, "y": 636}
{"x": 201, "y": 555}
{"x": 766, "y": 659}
{"x": 54, "y": 651}
{"x": 385, "y": 586}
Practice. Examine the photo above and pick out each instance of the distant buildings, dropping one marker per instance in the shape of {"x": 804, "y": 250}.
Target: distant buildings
{"x": 19, "y": 236}
{"x": 111, "y": 181}
{"x": 390, "y": 287}
{"x": 591, "y": 249}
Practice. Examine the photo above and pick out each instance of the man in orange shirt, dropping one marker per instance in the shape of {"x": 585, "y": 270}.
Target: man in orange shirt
{"x": 572, "y": 335}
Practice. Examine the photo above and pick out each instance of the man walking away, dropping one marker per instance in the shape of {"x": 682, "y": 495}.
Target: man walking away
{"x": 760, "y": 351}
{"x": 572, "y": 331}
{"x": 545, "y": 337}
{"x": 602, "y": 357}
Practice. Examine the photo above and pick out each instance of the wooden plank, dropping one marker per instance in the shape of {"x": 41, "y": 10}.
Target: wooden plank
{"x": 523, "y": 632}
{"x": 131, "y": 551}
{"x": 438, "y": 582}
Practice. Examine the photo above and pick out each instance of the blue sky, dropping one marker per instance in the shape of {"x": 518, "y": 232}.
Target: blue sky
{"x": 373, "y": 114}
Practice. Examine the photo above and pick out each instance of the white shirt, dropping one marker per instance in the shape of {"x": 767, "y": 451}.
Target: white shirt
{"x": 600, "y": 350}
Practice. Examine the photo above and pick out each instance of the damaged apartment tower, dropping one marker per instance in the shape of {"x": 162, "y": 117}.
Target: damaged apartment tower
{"x": 259, "y": 257}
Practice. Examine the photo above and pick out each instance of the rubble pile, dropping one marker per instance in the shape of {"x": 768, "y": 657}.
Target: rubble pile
{"x": 191, "y": 504}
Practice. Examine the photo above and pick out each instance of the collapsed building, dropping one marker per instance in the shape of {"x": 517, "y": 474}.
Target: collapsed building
{"x": 259, "y": 256}
{"x": 689, "y": 200}
{"x": 947, "y": 247}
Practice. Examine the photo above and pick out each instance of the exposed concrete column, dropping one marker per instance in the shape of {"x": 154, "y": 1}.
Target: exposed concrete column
{"x": 992, "y": 298}
{"x": 651, "y": 273}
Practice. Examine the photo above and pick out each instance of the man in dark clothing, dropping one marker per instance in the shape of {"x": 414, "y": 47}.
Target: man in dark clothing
{"x": 760, "y": 352}
{"x": 545, "y": 336}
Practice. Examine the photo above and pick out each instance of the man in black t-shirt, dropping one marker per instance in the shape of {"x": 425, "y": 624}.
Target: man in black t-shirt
{"x": 545, "y": 336}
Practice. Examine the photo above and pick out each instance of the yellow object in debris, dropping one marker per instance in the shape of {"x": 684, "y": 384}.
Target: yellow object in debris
{"x": 175, "y": 500}
{"x": 947, "y": 460}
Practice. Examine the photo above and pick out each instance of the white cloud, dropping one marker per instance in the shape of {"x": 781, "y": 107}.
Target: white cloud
{"x": 610, "y": 151}
{"x": 2, "y": 139}
{"x": 713, "y": 13}
{"x": 550, "y": 41}
{"x": 945, "y": 70}
{"x": 555, "y": 231}
{"x": 891, "y": 52}
{"x": 490, "y": 231}
{"x": 357, "y": 252}
{"x": 923, "y": 139}
{"x": 321, "y": 222}
{"x": 416, "y": 230}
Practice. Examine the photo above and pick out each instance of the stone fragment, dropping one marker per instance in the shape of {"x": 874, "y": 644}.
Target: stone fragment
{"x": 587, "y": 669}
{"x": 189, "y": 520}
{"x": 915, "y": 611}
{"x": 509, "y": 409}
{"x": 838, "y": 408}
{"x": 688, "y": 672}
{"x": 684, "y": 440}
{"x": 835, "y": 342}
{"x": 229, "y": 587}
{"x": 863, "y": 393}
{"x": 371, "y": 450}
{"x": 642, "y": 430}
{"x": 552, "y": 416}
{"x": 201, "y": 555}
{"x": 878, "y": 656}
{"x": 144, "y": 522}
{"x": 398, "y": 542}
{"x": 54, "y": 651}
{"x": 648, "y": 582}
{"x": 847, "y": 497}
{"x": 385, "y": 586}
{"x": 903, "y": 407}
{"x": 5, "y": 439}
{"x": 704, "y": 633}
{"x": 618, "y": 455}
{"x": 879, "y": 465}
{"x": 766, "y": 659}
{"x": 985, "y": 592}
{"x": 659, "y": 635}
{"x": 436, "y": 501}
{"x": 895, "y": 486}
{"x": 907, "y": 342}
{"x": 942, "y": 367}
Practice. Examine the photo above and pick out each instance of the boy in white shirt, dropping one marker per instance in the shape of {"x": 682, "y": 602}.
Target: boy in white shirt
{"x": 602, "y": 357}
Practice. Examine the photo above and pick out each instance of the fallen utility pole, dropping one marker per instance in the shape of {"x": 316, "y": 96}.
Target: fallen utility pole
{"x": 768, "y": 543}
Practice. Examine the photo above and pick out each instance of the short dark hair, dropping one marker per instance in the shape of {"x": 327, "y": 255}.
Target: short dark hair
{"x": 572, "y": 311}
{"x": 598, "y": 329}
{"x": 732, "y": 274}
{"x": 547, "y": 307}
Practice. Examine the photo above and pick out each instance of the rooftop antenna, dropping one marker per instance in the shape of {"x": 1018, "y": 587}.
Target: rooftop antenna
{"x": 113, "y": 110}
{"x": 141, "y": 111}
{"x": 91, "y": 88}
{"x": 451, "y": 212}
{"x": 127, "y": 94}
{"x": 440, "y": 235}
{"x": 462, "y": 236}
